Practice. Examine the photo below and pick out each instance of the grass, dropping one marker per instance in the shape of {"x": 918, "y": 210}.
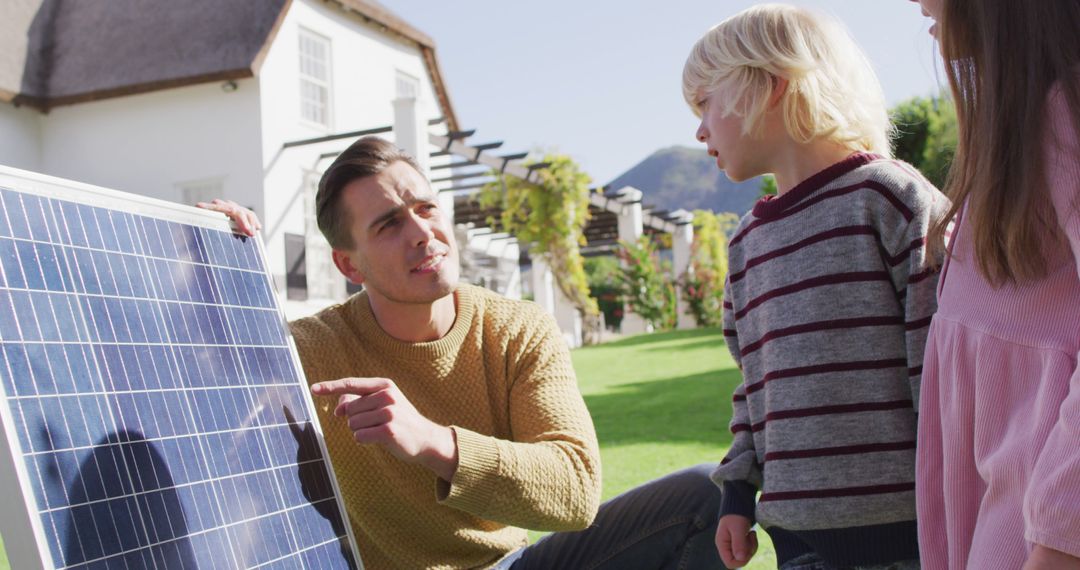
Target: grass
{"x": 660, "y": 402}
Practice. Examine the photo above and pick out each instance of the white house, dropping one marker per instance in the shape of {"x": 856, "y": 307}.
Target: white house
{"x": 192, "y": 100}
{"x": 250, "y": 100}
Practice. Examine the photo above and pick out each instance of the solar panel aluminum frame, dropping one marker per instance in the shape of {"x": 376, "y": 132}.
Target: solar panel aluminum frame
{"x": 24, "y": 535}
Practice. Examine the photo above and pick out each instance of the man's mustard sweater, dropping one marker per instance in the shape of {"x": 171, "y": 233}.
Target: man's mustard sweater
{"x": 502, "y": 379}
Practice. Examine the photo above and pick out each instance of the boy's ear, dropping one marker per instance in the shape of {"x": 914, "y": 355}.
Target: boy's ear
{"x": 347, "y": 267}
{"x": 779, "y": 87}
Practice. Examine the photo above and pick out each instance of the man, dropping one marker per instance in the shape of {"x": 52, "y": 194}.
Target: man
{"x": 452, "y": 414}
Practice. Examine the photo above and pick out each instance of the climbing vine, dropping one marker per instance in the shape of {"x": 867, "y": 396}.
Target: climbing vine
{"x": 646, "y": 284}
{"x": 551, "y": 218}
{"x": 703, "y": 283}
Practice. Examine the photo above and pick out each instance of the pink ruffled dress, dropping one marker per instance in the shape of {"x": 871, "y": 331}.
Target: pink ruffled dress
{"x": 998, "y": 464}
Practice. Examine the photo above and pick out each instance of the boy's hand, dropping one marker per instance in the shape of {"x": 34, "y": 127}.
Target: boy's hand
{"x": 1042, "y": 557}
{"x": 735, "y": 541}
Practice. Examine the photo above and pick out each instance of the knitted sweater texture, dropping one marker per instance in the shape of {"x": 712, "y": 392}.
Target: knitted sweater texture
{"x": 502, "y": 379}
{"x": 828, "y": 301}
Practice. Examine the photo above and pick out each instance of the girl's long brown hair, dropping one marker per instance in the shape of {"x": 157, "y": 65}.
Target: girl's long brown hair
{"x": 1002, "y": 58}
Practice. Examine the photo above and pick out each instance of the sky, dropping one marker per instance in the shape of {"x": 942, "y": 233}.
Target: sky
{"x": 600, "y": 80}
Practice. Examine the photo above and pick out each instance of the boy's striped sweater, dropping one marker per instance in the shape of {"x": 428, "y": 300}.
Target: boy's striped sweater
{"x": 827, "y": 305}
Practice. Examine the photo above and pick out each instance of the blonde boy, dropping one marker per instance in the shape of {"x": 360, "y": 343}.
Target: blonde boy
{"x": 829, "y": 294}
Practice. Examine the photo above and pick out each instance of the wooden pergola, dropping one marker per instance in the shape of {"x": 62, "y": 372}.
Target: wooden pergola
{"x": 476, "y": 166}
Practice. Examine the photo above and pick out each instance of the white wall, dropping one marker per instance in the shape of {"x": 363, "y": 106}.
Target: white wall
{"x": 365, "y": 61}
{"x": 148, "y": 143}
{"x": 364, "y": 66}
{"x": 20, "y": 137}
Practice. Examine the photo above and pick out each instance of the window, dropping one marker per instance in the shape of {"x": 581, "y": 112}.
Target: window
{"x": 314, "y": 78}
{"x": 408, "y": 87}
{"x": 323, "y": 279}
{"x": 296, "y": 288}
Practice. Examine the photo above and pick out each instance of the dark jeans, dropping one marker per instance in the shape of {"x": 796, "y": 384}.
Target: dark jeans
{"x": 814, "y": 562}
{"x": 669, "y": 523}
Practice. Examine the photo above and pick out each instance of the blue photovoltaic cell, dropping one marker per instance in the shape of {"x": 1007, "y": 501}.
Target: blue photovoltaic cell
{"x": 159, "y": 410}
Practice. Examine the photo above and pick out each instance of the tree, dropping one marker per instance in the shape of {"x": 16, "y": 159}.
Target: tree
{"x": 604, "y": 275}
{"x": 941, "y": 143}
{"x": 926, "y": 135}
{"x": 768, "y": 185}
{"x": 703, "y": 282}
{"x": 647, "y": 286}
{"x": 912, "y": 120}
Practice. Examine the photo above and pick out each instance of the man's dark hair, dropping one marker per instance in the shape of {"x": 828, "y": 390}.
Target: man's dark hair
{"x": 366, "y": 157}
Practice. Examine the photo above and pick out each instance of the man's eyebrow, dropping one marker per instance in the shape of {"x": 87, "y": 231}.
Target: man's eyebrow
{"x": 393, "y": 212}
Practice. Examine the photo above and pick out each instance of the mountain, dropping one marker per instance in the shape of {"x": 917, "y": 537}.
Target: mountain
{"x": 682, "y": 177}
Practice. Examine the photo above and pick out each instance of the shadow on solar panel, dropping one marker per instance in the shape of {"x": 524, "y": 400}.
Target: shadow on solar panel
{"x": 154, "y": 414}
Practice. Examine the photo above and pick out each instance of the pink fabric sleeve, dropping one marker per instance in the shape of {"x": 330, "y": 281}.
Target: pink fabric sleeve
{"x": 1052, "y": 501}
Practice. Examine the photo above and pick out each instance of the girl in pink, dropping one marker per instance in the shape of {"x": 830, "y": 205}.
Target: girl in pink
{"x": 998, "y": 482}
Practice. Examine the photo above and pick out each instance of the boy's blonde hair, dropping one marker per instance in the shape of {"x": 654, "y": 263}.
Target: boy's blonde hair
{"x": 832, "y": 90}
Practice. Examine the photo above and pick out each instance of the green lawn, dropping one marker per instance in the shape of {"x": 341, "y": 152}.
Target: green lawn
{"x": 660, "y": 403}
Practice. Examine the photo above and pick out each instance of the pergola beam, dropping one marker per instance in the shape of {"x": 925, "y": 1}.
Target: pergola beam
{"x": 466, "y": 187}
{"x": 351, "y": 134}
{"x": 464, "y": 176}
{"x": 459, "y": 164}
{"x": 455, "y": 145}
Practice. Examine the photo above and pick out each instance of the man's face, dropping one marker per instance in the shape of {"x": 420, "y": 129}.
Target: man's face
{"x": 404, "y": 250}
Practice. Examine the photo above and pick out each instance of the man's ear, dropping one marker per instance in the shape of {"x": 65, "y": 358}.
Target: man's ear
{"x": 347, "y": 267}
{"x": 779, "y": 87}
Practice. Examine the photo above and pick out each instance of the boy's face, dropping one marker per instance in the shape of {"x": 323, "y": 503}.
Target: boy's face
{"x": 739, "y": 155}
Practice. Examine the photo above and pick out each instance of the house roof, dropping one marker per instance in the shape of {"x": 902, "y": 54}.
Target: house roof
{"x": 56, "y": 52}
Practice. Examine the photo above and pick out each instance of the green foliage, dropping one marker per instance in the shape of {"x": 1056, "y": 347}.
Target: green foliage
{"x": 703, "y": 282}
{"x": 603, "y": 275}
{"x": 550, "y": 217}
{"x": 941, "y": 145}
{"x": 912, "y": 119}
{"x": 646, "y": 284}
{"x": 768, "y": 185}
{"x": 926, "y": 135}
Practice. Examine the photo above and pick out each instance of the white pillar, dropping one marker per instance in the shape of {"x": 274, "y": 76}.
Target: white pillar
{"x": 543, "y": 283}
{"x": 512, "y": 251}
{"x": 681, "y": 241}
{"x": 630, "y": 229}
{"x": 547, "y": 294}
{"x": 411, "y": 135}
{"x": 630, "y": 224}
{"x": 410, "y": 131}
{"x": 569, "y": 319}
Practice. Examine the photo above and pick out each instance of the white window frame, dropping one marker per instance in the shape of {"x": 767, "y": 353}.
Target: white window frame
{"x": 323, "y": 279}
{"x": 307, "y": 76}
{"x": 405, "y": 82}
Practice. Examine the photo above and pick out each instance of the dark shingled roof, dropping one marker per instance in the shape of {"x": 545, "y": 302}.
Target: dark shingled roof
{"x": 62, "y": 52}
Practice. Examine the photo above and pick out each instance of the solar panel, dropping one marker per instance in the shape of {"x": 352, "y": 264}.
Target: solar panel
{"x": 154, "y": 412}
